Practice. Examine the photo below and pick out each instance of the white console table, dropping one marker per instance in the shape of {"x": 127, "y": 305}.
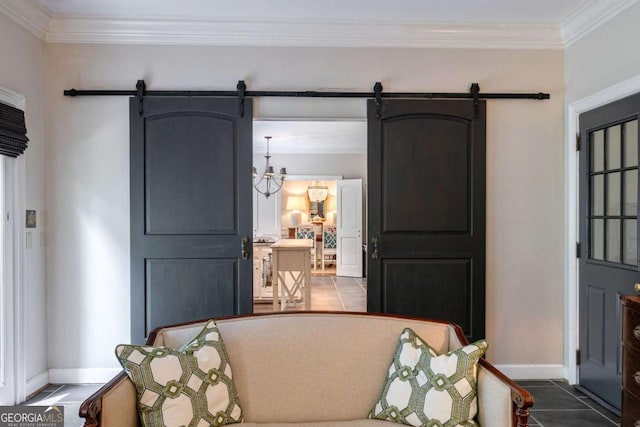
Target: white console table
{"x": 292, "y": 258}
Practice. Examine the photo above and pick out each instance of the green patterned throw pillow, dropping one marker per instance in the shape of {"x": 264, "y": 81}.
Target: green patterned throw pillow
{"x": 424, "y": 389}
{"x": 190, "y": 387}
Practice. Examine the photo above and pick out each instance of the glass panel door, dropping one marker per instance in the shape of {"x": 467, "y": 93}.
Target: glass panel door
{"x": 613, "y": 179}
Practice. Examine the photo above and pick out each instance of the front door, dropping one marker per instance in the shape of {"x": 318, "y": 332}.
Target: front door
{"x": 426, "y": 206}
{"x": 608, "y": 264}
{"x": 190, "y": 211}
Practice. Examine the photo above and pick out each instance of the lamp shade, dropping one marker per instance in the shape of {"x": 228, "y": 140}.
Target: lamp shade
{"x": 296, "y": 203}
{"x": 331, "y": 204}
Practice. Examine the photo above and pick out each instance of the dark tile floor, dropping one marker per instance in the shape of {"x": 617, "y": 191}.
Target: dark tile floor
{"x": 70, "y": 396}
{"x": 557, "y": 404}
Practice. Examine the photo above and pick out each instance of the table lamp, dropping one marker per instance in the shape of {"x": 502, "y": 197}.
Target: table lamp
{"x": 296, "y": 204}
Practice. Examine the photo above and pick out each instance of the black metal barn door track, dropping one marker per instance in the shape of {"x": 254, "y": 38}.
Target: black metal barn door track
{"x": 241, "y": 92}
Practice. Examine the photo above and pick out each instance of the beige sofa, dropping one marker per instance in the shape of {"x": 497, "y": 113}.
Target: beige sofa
{"x": 314, "y": 369}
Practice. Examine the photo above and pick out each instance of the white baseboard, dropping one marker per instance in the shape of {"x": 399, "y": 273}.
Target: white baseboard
{"x": 36, "y": 382}
{"x": 82, "y": 376}
{"x": 532, "y": 372}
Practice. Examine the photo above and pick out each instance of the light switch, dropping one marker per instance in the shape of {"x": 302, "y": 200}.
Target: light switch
{"x": 31, "y": 221}
{"x": 29, "y": 241}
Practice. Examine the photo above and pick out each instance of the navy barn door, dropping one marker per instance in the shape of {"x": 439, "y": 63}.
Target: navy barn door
{"x": 190, "y": 210}
{"x": 426, "y": 206}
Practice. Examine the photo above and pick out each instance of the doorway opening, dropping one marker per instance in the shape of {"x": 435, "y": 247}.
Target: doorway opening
{"x": 312, "y": 204}
{"x": 318, "y": 156}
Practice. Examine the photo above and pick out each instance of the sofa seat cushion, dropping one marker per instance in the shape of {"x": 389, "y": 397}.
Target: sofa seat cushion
{"x": 352, "y": 423}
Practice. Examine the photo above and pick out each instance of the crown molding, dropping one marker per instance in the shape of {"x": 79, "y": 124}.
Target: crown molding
{"x": 304, "y": 34}
{"x": 589, "y": 16}
{"x": 578, "y": 23}
{"x": 27, "y": 15}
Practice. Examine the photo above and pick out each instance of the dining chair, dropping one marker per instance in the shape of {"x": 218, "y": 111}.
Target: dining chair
{"x": 308, "y": 231}
{"x": 329, "y": 244}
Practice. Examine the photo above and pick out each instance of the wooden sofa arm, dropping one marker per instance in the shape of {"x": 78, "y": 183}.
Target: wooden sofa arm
{"x": 521, "y": 399}
{"x": 118, "y": 399}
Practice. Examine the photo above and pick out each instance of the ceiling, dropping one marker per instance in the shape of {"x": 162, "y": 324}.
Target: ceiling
{"x": 306, "y": 136}
{"x": 509, "y": 11}
{"x": 504, "y": 24}
{"x": 516, "y": 24}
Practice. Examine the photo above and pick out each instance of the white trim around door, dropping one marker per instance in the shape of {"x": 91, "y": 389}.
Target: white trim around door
{"x": 13, "y": 260}
{"x": 598, "y": 99}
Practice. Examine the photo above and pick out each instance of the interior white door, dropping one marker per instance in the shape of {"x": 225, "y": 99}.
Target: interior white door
{"x": 349, "y": 228}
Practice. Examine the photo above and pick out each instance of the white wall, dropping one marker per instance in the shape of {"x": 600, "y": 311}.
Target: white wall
{"x": 599, "y": 68}
{"x": 605, "y": 57}
{"x": 22, "y": 71}
{"x": 88, "y": 185}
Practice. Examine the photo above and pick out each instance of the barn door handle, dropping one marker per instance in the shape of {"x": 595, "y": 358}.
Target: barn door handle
{"x": 244, "y": 248}
{"x": 374, "y": 253}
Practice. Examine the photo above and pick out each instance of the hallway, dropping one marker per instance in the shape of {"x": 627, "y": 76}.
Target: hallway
{"x": 330, "y": 293}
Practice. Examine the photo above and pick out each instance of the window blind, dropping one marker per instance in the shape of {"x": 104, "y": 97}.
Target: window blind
{"x": 13, "y": 131}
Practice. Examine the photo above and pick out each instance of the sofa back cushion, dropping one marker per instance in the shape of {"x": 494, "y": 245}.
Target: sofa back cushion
{"x": 313, "y": 366}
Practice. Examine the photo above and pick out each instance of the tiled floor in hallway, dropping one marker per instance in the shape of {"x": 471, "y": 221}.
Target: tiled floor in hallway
{"x": 331, "y": 293}
{"x": 70, "y": 396}
{"x": 558, "y": 404}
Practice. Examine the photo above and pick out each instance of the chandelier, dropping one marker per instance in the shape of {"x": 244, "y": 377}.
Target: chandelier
{"x": 268, "y": 183}
{"x": 317, "y": 193}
